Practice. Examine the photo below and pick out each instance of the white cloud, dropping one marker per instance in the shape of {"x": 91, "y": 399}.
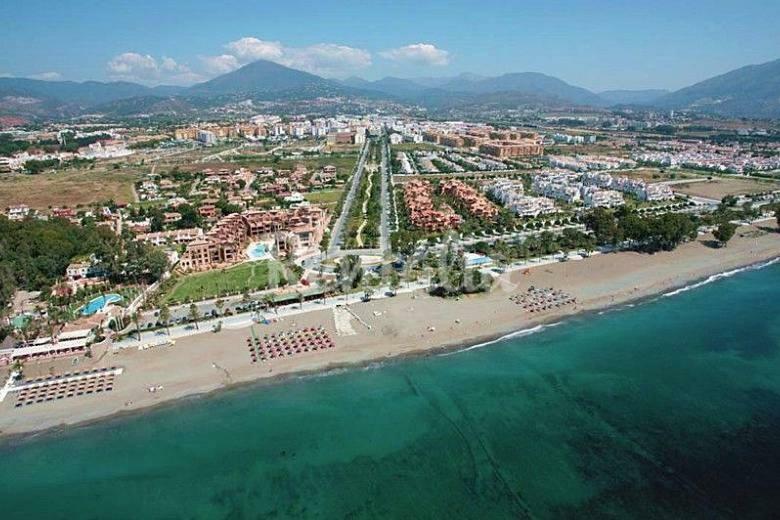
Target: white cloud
{"x": 418, "y": 53}
{"x": 327, "y": 59}
{"x": 47, "y": 76}
{"x": 250, "y": 49}
{"x": 219, "y": 64}
{"x": 132, "y": 66}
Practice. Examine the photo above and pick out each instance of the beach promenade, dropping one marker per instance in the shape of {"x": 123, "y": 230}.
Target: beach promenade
{"x": 411, "y": 323}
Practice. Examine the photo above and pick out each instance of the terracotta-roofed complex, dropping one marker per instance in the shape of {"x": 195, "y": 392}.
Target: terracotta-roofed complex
{"x": 476, "y": 203}
{"x": 511, "y": 143}
{"x": 422, "y": 213}
{"x": 294, "y": 231}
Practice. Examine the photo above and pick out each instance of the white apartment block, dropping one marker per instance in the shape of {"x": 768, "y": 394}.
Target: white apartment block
{"x": 594, "y": 197}
{"x": 511, "y": 194}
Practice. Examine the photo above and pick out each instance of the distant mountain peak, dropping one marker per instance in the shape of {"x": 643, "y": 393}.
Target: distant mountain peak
{"x": 750, "y": 91}
{"x": 261, "y": 76}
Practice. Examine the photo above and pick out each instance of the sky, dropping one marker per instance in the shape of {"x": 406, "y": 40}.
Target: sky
{"x": 597, "y": 44}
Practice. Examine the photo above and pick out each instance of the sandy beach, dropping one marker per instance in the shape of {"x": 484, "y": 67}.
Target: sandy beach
{"x": 408, "y": 324}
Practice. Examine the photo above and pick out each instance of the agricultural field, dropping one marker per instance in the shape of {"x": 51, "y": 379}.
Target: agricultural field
{"x": 68, "y": 188}
{"x": 247, "y": 276}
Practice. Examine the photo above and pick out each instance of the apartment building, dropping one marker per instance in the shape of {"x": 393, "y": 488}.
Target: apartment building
{"x": 511, "y": 194}
{"x": 418, "y": 198}
{"x": 505, "y": 149}
{"x": 176, "y": 236}
{"x": 599, "y": 198}
{"x": 475, "y": 202}
{"x": 294, "y": 231}
{"x": 558, "y": 186}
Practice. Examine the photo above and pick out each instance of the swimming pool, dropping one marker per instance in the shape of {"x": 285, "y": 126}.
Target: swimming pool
{"x": 97, "y": 304}
{"x": 257, "y": 251}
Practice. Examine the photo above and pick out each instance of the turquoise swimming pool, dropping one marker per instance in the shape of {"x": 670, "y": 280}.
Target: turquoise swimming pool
{"x": 257, "y": 251}
{"x": 97, "y": 304}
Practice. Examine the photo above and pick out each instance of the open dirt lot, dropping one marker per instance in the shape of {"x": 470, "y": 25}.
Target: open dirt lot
{"x": 719, "y": 187}
{"x": 67, "y": 188}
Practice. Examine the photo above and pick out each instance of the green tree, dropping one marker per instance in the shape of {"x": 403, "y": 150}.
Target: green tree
{"x": 165, "y": 317}
{"x": 724, "y": 232}
{"x": 602, "y": 222}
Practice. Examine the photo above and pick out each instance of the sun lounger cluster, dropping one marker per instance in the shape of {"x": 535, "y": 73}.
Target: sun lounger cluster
{"x": 284, "y": 344}
{"x": 71, "y": 384}
{"x": 540, "y": 300}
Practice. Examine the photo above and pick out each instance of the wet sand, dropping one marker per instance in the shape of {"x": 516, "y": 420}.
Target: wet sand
{"x": 409, "y": 324}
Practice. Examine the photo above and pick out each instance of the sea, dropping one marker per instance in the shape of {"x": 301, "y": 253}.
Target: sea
{"x": 668, "y": 408}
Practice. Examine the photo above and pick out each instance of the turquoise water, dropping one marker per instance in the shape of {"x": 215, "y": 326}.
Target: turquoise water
{"x": 257, "y": 251}
{"x": 97, "y": 304}
{"x": 670, "y": 409}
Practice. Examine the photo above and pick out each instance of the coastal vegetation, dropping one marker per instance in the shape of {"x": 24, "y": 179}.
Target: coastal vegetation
{"x": 724, "y": 232}
{"x": 649, "y": 234}
{"x": 454, "y": 279}
{"x": 35, "y": 253}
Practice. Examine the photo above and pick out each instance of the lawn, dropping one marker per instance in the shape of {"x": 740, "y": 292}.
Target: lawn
{"x": 247, "y": 276}
{"x": 328, "y": 198}
{"x": 67, "y": 188}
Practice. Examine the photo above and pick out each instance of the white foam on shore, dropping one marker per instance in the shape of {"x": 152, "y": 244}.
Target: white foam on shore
{"x": 511, "y": 335}
{"x": 720, "y": 276}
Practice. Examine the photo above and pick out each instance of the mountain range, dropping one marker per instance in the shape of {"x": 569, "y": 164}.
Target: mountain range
{"x": 752, "y": 91}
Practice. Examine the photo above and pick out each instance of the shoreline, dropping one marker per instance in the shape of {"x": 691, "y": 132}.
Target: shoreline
{"x": 357, "y": 352}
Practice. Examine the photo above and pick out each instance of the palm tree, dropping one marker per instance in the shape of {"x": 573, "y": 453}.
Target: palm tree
{"x": 300, "y": 299}
{"x": 268, "y": 300}
{"x": 18, "y": 368}
{"x": 322, "y": 285}
{"x": 137, "y": 320}
{"x": 219, "y": 304}
{"x": 368, "y": 292}
{"x": 165, "y": 317}
{"x": 195, "y": 315}
{"x": 395, "y": 282}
